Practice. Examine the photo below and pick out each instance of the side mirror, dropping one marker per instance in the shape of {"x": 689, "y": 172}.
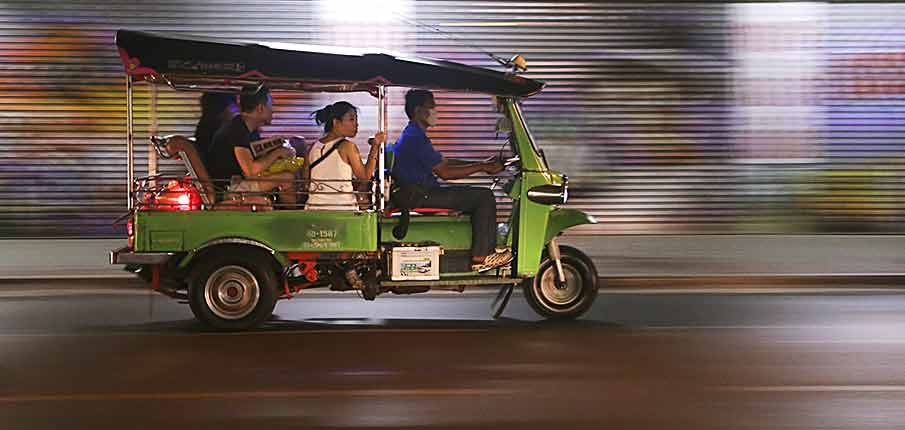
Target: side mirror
{"x": 498, "y": 104}
{"x": 503, "y": 125}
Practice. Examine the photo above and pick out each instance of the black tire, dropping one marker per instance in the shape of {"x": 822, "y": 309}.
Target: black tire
{"x": 569, "y": 302}
{"x": 234, "y": 288}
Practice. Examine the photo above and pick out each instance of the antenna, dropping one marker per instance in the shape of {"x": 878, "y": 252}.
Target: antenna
{"x": 516, "y": 64}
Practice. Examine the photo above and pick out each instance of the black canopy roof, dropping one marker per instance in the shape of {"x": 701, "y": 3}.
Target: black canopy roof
{"x": 197, "y": 62}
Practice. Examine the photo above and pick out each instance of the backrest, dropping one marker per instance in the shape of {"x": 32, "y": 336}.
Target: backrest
{"x": 170, "y": 146}
{"x": 389, "y": 157}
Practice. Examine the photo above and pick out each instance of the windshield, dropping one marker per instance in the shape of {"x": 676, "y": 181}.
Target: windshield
{"x": 518, "y": 117}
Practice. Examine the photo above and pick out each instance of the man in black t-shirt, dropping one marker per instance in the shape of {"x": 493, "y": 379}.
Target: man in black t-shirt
{"x": 230, "y": 154}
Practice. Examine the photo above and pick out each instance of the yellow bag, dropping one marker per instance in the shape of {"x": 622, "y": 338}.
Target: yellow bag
{"x": 291, "y": 165}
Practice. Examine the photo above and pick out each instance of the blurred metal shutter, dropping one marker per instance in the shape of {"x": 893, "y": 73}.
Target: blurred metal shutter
{"x": 640, "y": 108}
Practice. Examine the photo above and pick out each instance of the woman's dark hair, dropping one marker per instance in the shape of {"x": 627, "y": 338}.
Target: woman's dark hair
{"x": 213, "y": 104}
{"x": 252, "y": 96}
{"x": 415, "y": 98}
{"x": 326, "y": 115}
{"x": 212, "y": 107}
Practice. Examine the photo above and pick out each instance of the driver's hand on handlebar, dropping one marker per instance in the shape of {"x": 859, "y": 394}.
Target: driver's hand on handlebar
{"x": 493, "y": 166}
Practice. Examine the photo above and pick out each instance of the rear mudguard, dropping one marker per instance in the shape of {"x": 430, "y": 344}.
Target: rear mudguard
{"x": 190, "y": 256}
{"x": 561, "y": 219}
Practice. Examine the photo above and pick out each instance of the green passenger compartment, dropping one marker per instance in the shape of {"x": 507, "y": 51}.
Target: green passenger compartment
{"x": 451, "y": 232}
{"x": 284, "y": 231}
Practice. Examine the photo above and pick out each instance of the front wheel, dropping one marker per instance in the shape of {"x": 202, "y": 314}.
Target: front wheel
{"x": 571, "y": 299}
{"x": 233, "y": 290}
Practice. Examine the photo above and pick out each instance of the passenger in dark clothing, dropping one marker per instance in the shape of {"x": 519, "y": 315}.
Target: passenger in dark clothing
{"x": 217, "y": 109}
{"x": 231, "y": 154}
{"x": 417, "y": 166}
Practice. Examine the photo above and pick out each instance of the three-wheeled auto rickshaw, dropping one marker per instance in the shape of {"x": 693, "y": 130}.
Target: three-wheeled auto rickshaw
{"x": 233, "y": 258}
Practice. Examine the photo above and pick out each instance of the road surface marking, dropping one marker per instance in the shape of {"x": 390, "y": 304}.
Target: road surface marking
{"x": 843, "y": 342}
{"x": 817, "y": 388}
{"x": 75, "y": 292}
{"x": 748, "y": 290}
{"x": 767, "y": 327}
{"x": 413, "y": 392}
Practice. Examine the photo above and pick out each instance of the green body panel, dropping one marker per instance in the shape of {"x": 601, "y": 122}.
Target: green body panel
{"x": 561, "y": 219}
{"x": 532, "y": 225}
{"x": 532, "y": 217}
{"x": 283, "y": 231}
{"x": 335, "y": 231}
{"x": 163, "y": 240}
{"x": 451, "y": 232}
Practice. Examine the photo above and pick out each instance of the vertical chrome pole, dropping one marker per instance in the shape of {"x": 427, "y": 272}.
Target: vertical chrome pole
{"x": 152, "y": 130}
{"x": 130, "y": 176}
{"x": 381, "y": 159}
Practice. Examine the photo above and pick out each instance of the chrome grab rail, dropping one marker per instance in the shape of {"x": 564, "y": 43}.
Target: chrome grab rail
{"x": 160, "y": 192}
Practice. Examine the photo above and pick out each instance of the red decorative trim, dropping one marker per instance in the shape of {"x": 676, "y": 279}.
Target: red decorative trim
{"x": 253, "y": 74}
{"x": 155, "y": 277}
{"x": 302, "y": 256}
{"x": 309, "y": 268}
{"x": 379, "y": 80}
{"x": 133, "y": 65}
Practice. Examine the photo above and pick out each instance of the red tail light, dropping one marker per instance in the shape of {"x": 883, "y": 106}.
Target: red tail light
{"x": 177, "y": 196}
{"x": 130, "y": 232}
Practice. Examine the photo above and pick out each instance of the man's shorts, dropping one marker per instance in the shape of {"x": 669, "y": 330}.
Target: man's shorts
{"x": 252, "y": 191}
{"x": 250, "y": 186}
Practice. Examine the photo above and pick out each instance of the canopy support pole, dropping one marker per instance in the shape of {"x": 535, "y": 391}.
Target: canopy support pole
{"x": 381, "y": 158}
{"x": 152, "y": 116}
{"x": 130, "y": 163}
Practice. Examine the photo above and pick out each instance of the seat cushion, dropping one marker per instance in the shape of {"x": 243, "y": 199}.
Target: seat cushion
{"x": 423, "y": 211}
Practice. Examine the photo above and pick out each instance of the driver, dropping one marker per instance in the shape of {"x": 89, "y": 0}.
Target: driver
{"x": 417, "y": 166}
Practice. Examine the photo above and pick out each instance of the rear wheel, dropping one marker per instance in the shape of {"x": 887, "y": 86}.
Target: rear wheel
{"x": 233, "y": 289}
{"x": 573, "y": 297}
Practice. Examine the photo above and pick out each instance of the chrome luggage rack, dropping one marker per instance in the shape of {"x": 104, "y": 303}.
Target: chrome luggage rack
{"x": 183, "y": 193}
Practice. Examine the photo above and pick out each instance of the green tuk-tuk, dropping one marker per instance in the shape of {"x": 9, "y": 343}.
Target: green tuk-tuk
{"x": 232, "y": 260}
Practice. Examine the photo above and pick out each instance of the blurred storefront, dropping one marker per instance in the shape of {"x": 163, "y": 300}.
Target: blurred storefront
{"x": 673, "y": 118}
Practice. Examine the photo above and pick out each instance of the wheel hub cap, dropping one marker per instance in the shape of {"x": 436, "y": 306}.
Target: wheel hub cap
{"x": 232, "y": 292}
{"x": 565, "y": 293}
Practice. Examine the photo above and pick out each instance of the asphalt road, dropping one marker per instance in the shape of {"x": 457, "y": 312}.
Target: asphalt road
{"x": 125, "y": 359}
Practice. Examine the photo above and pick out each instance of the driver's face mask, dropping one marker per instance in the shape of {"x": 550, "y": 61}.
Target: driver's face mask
{"x": 431, "y": 119}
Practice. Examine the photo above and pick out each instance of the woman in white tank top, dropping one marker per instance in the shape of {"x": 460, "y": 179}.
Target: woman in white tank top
{"x": 331, "y": 186}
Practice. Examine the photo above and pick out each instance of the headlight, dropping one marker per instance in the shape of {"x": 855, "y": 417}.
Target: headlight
{"x": 565, "y": 188}
{"x": 548, "y": 194}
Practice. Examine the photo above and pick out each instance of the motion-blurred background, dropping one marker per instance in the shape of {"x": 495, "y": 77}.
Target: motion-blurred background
{"x": 670, "y": 119}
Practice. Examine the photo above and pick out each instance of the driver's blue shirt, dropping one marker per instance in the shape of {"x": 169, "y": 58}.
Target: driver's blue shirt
{"x": 415, "y": 158}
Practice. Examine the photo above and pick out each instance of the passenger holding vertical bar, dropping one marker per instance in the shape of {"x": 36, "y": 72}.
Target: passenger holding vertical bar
{"x": 334, "y": 161}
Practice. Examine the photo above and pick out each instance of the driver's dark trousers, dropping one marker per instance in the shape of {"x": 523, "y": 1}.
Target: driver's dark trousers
{"x": 475, "y": 201}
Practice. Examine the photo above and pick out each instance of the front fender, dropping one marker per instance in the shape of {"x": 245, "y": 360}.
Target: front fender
{"x": 561, "y": 219}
